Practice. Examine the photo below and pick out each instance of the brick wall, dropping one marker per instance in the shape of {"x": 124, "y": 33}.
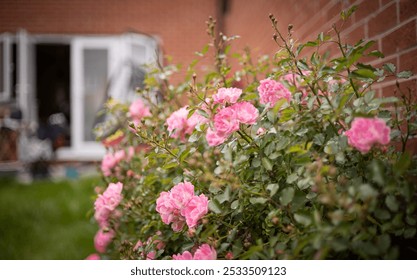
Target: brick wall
{"x": 181, "y": 23}
{"x": 391, "y": 23}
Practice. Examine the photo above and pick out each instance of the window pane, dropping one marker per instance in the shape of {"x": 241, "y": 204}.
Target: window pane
{"x": 95, "y": 81}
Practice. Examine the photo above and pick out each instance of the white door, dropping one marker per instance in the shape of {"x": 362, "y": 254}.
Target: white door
{"x": 92, "y": 63}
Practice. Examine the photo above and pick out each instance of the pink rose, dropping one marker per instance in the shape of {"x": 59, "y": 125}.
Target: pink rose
{"x": 179, "y": 125}
{"x": 93, "y": 257}
{"x": 181, "y": 194}
{"x": 225, "y": 122}
{"x": 119, "y": 155}
{"x": 107, "y": 164}
{"x": 213, "y": 139}
{"x": 196, "y": 208}
{"x": 365, "y": 132}
{"x": 271, "y": 91}
{"x": 183, "y": 257}
{"x": 113, "y": 195}
{"x": 246, "y": 113}
{"x": 204, "y": 252}
{"x": 138, "y": 111}
{"x": 102, "y": 239}
{"x": 101, "y": 213}
{"x": 180, "y": 206}
{"x": 227, "y": 95}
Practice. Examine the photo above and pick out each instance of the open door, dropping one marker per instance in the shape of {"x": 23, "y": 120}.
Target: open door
{"x": 92, "y": 61}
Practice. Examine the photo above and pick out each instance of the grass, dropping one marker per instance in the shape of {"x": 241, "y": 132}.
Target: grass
{"x": 46, "y": 220}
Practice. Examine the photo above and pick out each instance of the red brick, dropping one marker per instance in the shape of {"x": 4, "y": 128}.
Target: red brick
{"x": 400, "y": 39}
{"x": 408, "y": 61}
{"x": 383, "y": 21}
{"x": 366, "y": 8}
{"x": 408, "y": 9}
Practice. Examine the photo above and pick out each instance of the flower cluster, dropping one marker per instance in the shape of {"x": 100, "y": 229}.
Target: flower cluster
{"x": 227, "y": 119}
{"x": 180, "y": 125}
{"x": 180, "y": 206}
{"x": 111, "y": 160}
{"x": 271, "y": 91}
{"x": 204, "y": 252}
{"x": 365, "y": 132}
{"x": 159, "y": 245}
{"x": 138, "y": 110}
{"x": 102, "y": 239}
{"x": 104, "y": 206}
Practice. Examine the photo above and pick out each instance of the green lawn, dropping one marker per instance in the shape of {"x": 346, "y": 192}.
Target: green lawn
{"x": 46, "y": 220}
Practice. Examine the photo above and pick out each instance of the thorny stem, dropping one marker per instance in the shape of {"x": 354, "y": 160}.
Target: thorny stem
{"x": 218, "y": 47}
{"x": 339, "y": 43}
{"x": 294, "y": 59}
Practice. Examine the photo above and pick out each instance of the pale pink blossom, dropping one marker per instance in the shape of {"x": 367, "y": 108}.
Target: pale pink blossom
{"x": 93, "y": 257}
{"x": 245, "y": 112}
{"x": 196, "y": 208}
{"x": 204, "y": 252}
{"x": 186, "y": 256}
{"x": 213, "y": 139}
{"x": 271, "y": 91}
{"x": 119, "y": 155}
{"x": 113, "y": 195}
{"x": 227, "y": 95}
{"x": 102, "y": 239}
{"x": 138, "y": 110}
{"x": 108, "y": 163}
{"x": 107, "y": 202}
{"x": 181, "y": 194}
{"x": 193, "y": 121}
{"x": 101, "y": 213}
{"x": 180, "y": 206}
{"x": 226, "y": 122}
{"x": 261, "y": 131}
{"x": 366, "y": 132}
{"x": 180, "y": 125}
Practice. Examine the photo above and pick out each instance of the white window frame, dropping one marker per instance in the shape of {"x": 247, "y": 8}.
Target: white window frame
{"x": 6, "y": 93}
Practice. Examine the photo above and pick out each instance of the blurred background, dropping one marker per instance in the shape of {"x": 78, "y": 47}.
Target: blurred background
{"x": 60, "y": 60}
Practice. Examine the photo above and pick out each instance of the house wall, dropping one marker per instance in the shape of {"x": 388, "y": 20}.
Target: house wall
{"x": 181, "y": 23}
{"x": 391, "y": 23}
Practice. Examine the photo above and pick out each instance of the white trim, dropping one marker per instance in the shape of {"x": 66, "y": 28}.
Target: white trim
{"x": 6, "y": 94}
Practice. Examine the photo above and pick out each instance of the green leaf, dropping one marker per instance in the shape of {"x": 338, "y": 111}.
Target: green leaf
{"x": 392, "y": 203}
{"x": 287, "y": 196}
{"x": 404, "y": 74}
{"x": 376, "y": 53}
{"x": 366, "y": 191}
{"x": 390, "y": 67}
{"x": 225, "y": 196}
{"x": 345, "y": 14}
{"x": 266, "y": 163}
{"x": 170, "y": 165}
{"x": 364, "y": 73}
{"x": 258, "y": 200}
{"x": 302, "y": 219}
{"x": 234, "y": 205}
{"x": 214, "y": 206}
{"x": 272, "y": 188}
{"x": 292, "y": 178}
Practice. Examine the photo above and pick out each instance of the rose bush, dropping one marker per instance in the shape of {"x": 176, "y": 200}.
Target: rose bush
{"x": 286, "y": 157}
